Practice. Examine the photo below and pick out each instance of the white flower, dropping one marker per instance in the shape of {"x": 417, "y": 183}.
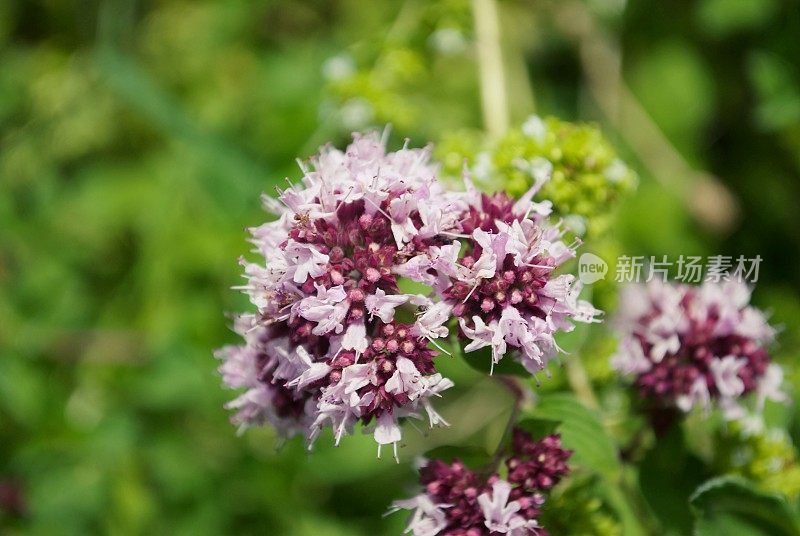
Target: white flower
{"x": 501, "y": 515}
{"x": 726, "y": 375}
{"x": 383, "y": 305}
{"x": 428, "y": 518}
{"x": 697, "y": 395}
{"x": 304, "y": 260}
{"x": 769, "y": 387}
{"x": 535, "y": 128}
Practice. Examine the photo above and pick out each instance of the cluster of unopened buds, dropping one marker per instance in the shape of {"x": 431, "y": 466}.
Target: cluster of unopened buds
{"x": 689, "y": 346}
{"x": 458, "y": 501}
{"x": 334, "y": 341}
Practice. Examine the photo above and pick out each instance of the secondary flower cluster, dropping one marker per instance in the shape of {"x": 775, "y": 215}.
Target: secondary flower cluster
{"x": 687, "y": 346}
{"x": 458, "y": 501}
{"x": 334, "y": 341}
{"x": 587, "y": 178}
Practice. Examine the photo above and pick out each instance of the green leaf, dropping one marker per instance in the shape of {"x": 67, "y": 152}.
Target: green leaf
{"x": 473, "y": 457}
{"x": 581, "y": 430}
{"x": 667, "y": 477}
{"x": 731, "y": 505}
{"x": 539, "y": 428}
{"x": 612, "y": 494}
{"x": 409, "y": 286}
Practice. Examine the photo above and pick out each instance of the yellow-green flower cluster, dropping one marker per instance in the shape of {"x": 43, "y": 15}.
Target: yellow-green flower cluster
{"x": 765, "y": 456}
{"x": 586, "y": 176}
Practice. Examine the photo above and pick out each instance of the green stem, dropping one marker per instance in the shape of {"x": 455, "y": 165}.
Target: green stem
{"x": 577, "y": 376}
{"x": 518, "y": 392}
{"x": 494, "y": 96}
{"x": 580, "y": 384}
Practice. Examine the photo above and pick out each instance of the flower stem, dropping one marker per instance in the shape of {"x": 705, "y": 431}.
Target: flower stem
{"x": 580, "y": 384}
{"x": 518, "y": 392}
{"x": 494, "y": 96}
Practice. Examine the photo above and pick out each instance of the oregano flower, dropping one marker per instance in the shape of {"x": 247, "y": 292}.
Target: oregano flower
{"x": 689, "y": 346}
{"x": 334, "y": 341}
{"x": 459, "y": 501}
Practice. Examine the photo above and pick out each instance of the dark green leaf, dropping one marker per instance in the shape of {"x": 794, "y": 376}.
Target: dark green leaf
{"x": 473, "y": 457}
{"x": 582, "y": 431}
{"x": 731, "y": 505}
{"x": 538, "y": 428}
{"x": 667, "y": 477}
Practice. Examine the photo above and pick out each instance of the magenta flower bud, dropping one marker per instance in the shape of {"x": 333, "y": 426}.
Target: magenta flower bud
{"x": 372, "y": 275}
{"x": 378, "y": 344}
{"x": 344, "y": 359}
{"x": 365, "y": 221}
{"x": 386, "y": 366}
{"x": 304, "y": 330}
{"x": 356, "y": 295}
{"x": 336, "y": 277}
{"x": 308, "y": 286}
{"x": 336, "y": 255}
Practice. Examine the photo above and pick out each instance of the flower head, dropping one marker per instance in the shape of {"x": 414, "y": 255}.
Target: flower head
{"x": 691, "y": 346}
{"x": 335, "y": 342}
{"x": 458, "y": 501}
{"x": 537, "y": 465}
{"x": 503, "y": 289}
{"x": 325, "y": 348}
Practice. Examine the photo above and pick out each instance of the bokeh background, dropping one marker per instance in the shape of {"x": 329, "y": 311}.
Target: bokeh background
{"x": 136, "y": 137}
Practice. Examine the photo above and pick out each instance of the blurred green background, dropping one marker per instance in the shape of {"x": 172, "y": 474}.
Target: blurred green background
{"x": 136, "y": 137}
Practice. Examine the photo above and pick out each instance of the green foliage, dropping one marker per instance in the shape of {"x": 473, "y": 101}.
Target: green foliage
{"x": 481, "y": 360}
{"x": 730, "y": 505}
{"x": 668, "y": 474}
{"x": 472, "y": 456}
{"x": 582, "y": 431}
{"x": 579, "y": 510}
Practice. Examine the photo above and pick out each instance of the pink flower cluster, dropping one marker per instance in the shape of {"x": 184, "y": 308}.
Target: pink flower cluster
{"x": 334, "y": 341}
{"x": 458, "y": 501}
{"x": 688, "y": 346}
